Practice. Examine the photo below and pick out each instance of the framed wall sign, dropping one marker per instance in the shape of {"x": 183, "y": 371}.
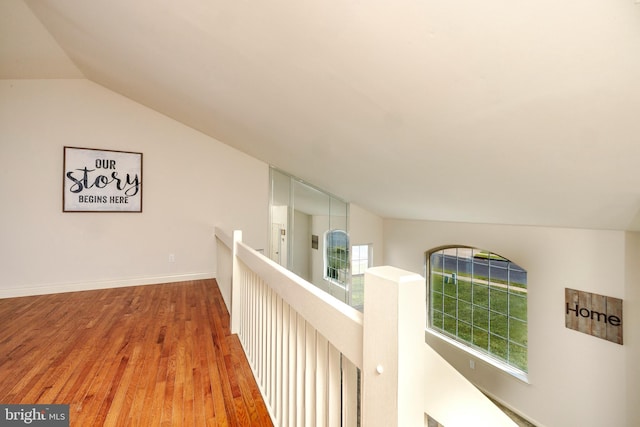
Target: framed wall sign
{"x": 101, "y": 181}
{"x": 593, "y": 314}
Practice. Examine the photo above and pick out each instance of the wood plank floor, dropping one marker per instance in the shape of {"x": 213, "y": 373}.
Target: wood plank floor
{"x": 157, "y": 355}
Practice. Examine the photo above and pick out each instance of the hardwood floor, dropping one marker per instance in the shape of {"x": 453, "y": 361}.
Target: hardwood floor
{"x": 158, "y": 355}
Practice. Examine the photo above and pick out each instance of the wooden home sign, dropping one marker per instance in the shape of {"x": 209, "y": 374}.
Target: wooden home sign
{"x": 594, "y": 314}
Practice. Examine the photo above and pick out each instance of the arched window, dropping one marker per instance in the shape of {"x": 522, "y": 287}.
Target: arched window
{"x": 479, "y": 300}
{"x": 336, "y": 256}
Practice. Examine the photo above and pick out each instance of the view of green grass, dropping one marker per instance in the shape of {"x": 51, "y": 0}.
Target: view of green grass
{"x": 482, "y": 315}
{"x": 488, "y": 317}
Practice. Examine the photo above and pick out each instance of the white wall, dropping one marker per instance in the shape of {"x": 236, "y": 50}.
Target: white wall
{"x": 574, "y": 379}
{"x": 631, "y": 313}
{"x": 366, "y": 228}
{"x": 191, "y": 182}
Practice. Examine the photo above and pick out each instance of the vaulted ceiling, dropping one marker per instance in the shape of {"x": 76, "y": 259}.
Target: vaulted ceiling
{"x": 499, "y": 111}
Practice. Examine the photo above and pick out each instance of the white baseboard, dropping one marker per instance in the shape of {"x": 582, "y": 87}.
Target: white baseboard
{"x": 103, "y": 284}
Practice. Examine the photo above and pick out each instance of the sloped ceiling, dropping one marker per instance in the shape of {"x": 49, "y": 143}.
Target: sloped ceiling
{"x": 494, "y": 112}
{"x": 27, "y": 50}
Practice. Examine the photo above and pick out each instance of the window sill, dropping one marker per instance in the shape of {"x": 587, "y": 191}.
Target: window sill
{"x": 335, "y": 282}
{"x": 504, "y": 367}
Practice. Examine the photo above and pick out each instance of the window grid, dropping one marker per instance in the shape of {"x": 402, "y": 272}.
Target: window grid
{"x": 478, "y": 310}
{"x": 336, "y": 256}
{"x": 359, "y": 259}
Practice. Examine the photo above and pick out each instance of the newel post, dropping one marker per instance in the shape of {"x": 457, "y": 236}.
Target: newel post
{"x": 393, "y": 374}
{"x": 235, "y": 282}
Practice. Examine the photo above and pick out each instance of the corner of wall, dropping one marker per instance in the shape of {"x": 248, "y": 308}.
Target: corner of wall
{"x": 631, "y": 313}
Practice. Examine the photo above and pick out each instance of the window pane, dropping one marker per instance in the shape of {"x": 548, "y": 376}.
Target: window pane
{"x": 437, "y": 283}
{"x": 480, "y": 338}
{"x": 518, "y": 306}
{"x": 437, "y": 301}
{"x": 480, "y": 299}
{"x": 450, "y": 324}
{"x": 356, "y": 252}
{"x": 337, "y": 256}
{"x": 464, "y": 290}
{"x": 465, "y": 332}
{"x": 450, "y": 306}
{"x": 481, "y": 295}
{"x": 481, "y": 318}
{"x": 518, "y": 331}
{"x": 518, "y": 356}
{"x": 359, "y": 259}
{"x": 465, "y": 312}
{"x": 451, "y": 289}
{"x": 437, "y": 319}
{"x": 499, "y": 324}
{"x": 498, "y": 300}
{"x": 449, "y": 263}
{"x": 499, "y": 346}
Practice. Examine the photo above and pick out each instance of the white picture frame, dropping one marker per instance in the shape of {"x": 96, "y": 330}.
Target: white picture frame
{"x": 96, "y": 180}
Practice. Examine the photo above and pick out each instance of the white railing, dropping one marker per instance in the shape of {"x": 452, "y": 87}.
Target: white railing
{"x": 224, "y": 263}
{"x": 319, "y": 362}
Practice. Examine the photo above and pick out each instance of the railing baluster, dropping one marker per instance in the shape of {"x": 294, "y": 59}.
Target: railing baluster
{"x": 300, "y": 370}
{"x": 252, "y": 318}
{"x": 292, "y": 366}
{"x": 349, "y": 393}
{"x": 284, "y": 367}
{"x": 260, "y": 334}
{"x": 334, "y": 382}
{"x": 273, "y": 310}
{"x": 278, "y": 377}
{"x": 310, "y": 376}
{"x": 268, "y": 332}
{"x": 321, "y": 380}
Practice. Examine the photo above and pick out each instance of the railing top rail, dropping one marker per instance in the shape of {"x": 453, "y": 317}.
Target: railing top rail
{"x": 225, "y": 238}
{"x": 335, "y": 320}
